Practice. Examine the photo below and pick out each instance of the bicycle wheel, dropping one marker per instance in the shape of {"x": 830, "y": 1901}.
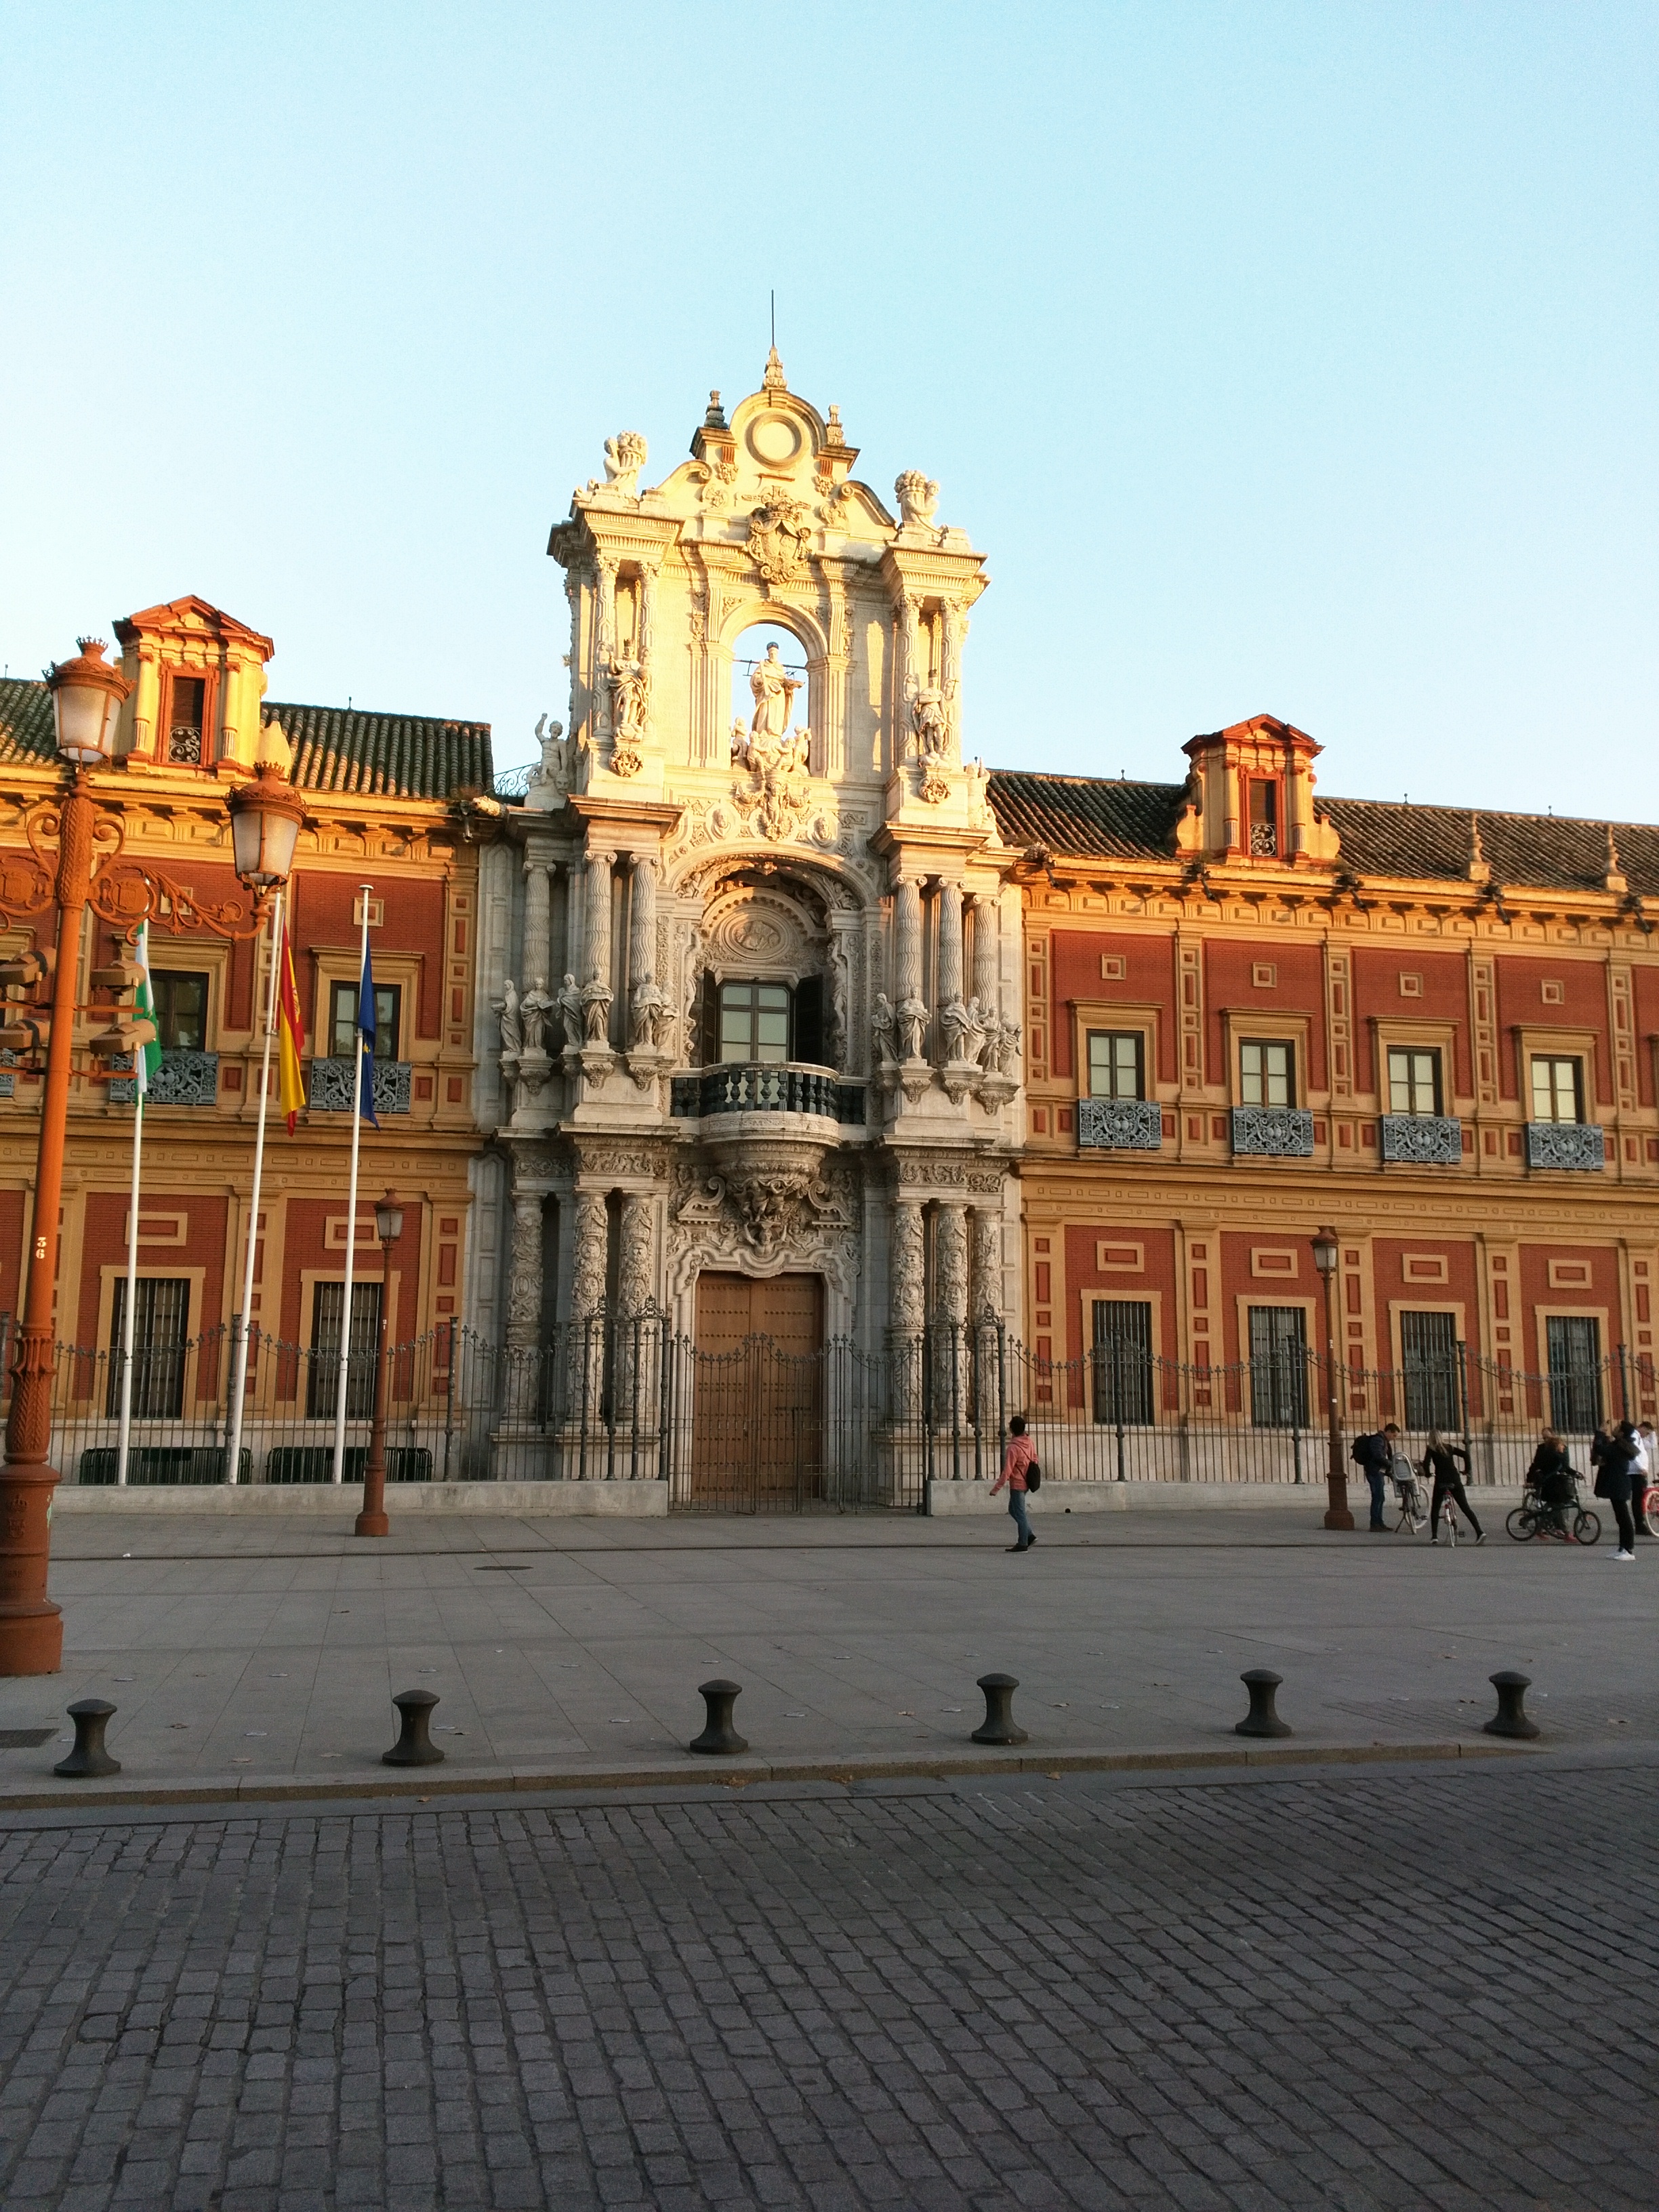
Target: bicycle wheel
{"x": 1586, "y": 1528}
{"x": 1520, "y": 1524}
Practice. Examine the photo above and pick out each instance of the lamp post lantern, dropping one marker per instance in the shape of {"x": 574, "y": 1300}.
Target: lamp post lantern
{"x": 86, "y": 697}
{"x": 371, "y": 1521}
{"x": 1337, "y": 1515}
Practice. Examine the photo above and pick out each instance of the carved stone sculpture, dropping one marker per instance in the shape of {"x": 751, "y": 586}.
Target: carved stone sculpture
{"x": 631, "y": 705}
{"x": 930, "y": 724}
{"x": 917, "y": 496}
{"x": 957, "y": 1023}
{"x": 633, "y": 1256}
{"x": 554, "y": 769}
{"x": 524, "y": 1281}
{"x": 511, "y": 1028}
{"x": 911, "y": 1025}
{"x": 882, "y": 1027}
{"x": 1008, "y": 1048}
{"x": 951, "y": 1255}
{"x": 533, "y": 1010}
{"x": 624, "y": 457}
{"x": 596, "y": 1012}
{"x": 569, "y": 1003}
{"x": 592, "y": 1243}
{"x": 774, "y": 690}
{"x": 648, "y": 1014}
{"x": 780, "y": 537}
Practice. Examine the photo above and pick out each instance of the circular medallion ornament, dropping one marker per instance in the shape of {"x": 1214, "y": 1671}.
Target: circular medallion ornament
{"x": 775, "y": 440}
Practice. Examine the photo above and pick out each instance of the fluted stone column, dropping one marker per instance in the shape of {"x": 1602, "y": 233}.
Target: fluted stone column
{"x": 596, "y": 988}
{"x": 538, "y": 921}
{"x": 949, "y": 942}
{"x": 985, "y": 957}
{"x": 641, "y": 946}
{"x": 912, "y": 1008}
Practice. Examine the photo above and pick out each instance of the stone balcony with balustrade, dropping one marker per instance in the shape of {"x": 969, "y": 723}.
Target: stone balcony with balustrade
{"x": 725, "y": 1099}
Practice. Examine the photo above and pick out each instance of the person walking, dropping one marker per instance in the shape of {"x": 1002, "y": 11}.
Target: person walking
{"x": 1440, "y": 1464}
{"x": 1616, "y": 1478}
{"x": 1018, "y": 1454}
{"x": 1375, "y": 1455}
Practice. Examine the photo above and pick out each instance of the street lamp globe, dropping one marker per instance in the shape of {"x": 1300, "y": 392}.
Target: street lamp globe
{"x": 389, "y": 1218}
{"x": 265, "y": 814}
{"x": 86, "y": 698}
{"x": 1324, "y": 1251}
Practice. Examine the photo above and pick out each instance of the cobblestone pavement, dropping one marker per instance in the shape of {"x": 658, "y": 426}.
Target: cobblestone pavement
{"x": 1351, "y": 1990}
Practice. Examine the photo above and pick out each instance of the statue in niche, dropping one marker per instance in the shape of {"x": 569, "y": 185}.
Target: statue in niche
{"x": 596, "y": 1012}
{"x": 511, "y": 1028}
{"x": 956, "y": 1023}
{"x": 631, "y": 701}
{"x": 931, "y": 723}
{"x": 649, "y": 1012}
{"x": 917, "y": 496}
{"x": 882, "y": 1027}
{"x": 910, "y": 1022}
{"x": 774, "y": 691}
{"x": 569, "y": 1003}
{"x": 533, "y": 1009}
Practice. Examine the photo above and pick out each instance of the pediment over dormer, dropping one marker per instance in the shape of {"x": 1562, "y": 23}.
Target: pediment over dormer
{"x": 197, "y": 676}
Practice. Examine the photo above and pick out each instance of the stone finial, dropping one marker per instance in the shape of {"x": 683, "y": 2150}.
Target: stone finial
{"x": 1614, "y": 879}
{"x": 917, "y": 496}
{"x": 773, "y": 379}
{"x": 1479, "y": 870}
{"x": 715, "y": 417}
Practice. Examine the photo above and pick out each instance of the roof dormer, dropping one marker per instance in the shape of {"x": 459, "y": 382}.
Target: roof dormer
{"x": 1251, "y": 800}
{"x": 198, "y": 676}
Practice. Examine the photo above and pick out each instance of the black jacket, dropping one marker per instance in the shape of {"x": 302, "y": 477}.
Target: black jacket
{"x": 1374, "y": 1452}
{"x": 1440, "y": 1463}
{"x": 1617, "y": 1477}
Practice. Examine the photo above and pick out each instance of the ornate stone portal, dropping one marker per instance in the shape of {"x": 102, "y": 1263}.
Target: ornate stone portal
{"x": 786, "y": 1040}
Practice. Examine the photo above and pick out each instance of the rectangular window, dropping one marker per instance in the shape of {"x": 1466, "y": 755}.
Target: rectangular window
{"x": 1264, "y": 818}
{"x": 181, "y": 1004}
{"x": 188, "y": 699}
{"x": 1267, "y": 1070}
{"x": 1555, "y": 1089}
{"x": 1279, "y": 1367}
{"x": 1428, "y": 1345}
{"x": 1413, "y": 1080}
{"x": 343, "y": 1020}
{"x": 1573, "y": 1342}
{"x": 1122, "y": 1358}
{"x": 161, "y": 1322}
{"x": 755, "y": 1022}
{"x": 324, "y": 1378}
{"x": 1115, "y": 1064}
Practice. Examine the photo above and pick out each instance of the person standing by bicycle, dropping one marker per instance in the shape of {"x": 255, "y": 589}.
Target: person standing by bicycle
{"x": 1441, "y": 1465}
{"x": 1617, "y": 1477}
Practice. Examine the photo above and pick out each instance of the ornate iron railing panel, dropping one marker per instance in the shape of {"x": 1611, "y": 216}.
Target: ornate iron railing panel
{"x": 1577, "y": 1146}
{"x": 1120, "y": 1125}
{"x": 1282, "y": 1132}
{"x": 333, "y": 1083}
{"x": 1429, "y": 1140}
{"x": 184, "y": 1079}
{"x": 739, "y": 1086}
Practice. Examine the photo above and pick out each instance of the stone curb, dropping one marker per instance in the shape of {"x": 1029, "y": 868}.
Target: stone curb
{"x": 425, "y": 1782}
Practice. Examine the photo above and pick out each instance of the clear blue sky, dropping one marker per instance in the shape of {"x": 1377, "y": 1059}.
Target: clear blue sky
{"x": 1287, "y": 358}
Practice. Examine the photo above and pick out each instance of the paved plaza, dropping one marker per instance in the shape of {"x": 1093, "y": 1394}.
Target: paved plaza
{"x": 1388, "y": 1987}
{"x": 263, "y": 1654}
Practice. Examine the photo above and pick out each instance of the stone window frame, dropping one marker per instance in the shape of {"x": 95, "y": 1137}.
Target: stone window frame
{"x": 1551, "y": 1043}
{"x": 1555, "y": 1308}
{"x": 197, "y": 1321}
{"x": 200, "y": 956}
{"x": 1409, "y": 1033}
{"x": 1242, "y": 1025}
{"x": 1118, "y": 1015}
{"x": 335, "y": 966}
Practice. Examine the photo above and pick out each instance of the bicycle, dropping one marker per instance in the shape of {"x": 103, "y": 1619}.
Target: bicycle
{"x": 1413, "y": 1506}
{"x": 1534, "y": 1517}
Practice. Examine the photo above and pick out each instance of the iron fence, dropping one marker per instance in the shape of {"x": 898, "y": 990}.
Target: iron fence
{"x": 626, "y": 1398}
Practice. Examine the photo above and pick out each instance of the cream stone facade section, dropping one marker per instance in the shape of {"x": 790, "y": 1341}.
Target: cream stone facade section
{"x": 830, "y": 842}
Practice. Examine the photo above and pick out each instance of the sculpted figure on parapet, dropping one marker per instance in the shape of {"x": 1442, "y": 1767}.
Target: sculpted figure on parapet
{"x": 774, "y": 691}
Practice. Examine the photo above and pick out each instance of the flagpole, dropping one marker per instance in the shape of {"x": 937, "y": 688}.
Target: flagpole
{"x": 239, "y": 1321}
{"x": 351, "y": 1225}
{"x": 124, "y": 1439}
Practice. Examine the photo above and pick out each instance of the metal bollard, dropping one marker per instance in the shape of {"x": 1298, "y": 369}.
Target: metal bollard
{"x": 1511, "y": 1719}
{"x": 997, "y": 1726}
{"x": 91, "y": 1715}
{"x": 414, "y": 1747}
{"x": 718, "y": 1733}
{"x": 1262, "y": 1719}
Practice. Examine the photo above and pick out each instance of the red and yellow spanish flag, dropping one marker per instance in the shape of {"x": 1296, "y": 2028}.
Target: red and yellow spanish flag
{"x": 290, "y": 1033}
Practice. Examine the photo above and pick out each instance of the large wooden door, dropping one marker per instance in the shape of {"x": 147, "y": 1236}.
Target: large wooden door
{"x": 757, "y": 1411}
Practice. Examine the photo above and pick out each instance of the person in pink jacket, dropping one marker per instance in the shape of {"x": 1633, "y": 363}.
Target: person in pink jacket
{"x": 1018, "y": 1454}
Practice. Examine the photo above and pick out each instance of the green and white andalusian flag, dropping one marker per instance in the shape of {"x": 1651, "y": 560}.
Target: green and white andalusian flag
{"x": 147, "y": 1058}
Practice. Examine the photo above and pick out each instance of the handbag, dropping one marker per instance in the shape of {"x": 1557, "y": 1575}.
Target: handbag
{"x": 1034, "y": 1477}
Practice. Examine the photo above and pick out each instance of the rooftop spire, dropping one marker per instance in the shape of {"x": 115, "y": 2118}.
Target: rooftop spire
{"x": 1479, "y": 872}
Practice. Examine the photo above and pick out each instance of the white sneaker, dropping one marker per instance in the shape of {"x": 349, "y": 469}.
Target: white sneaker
{"x": 1624, "y": 1555}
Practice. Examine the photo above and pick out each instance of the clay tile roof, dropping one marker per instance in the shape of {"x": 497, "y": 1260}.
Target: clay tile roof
{"x": 25, "y": 724}
{"x": 1086, "y": 814}
{"x": 1538, "y": 851}
{"x": 350, "y": 750}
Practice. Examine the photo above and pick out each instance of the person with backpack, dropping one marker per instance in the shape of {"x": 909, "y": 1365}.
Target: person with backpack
{"x": 1374, "y": 1455}
{"x": 1020, "y": 1473}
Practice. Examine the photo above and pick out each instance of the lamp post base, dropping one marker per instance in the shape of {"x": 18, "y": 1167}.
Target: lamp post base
{"x": 377, "y": 1524}
{"x": 1337, "y": 1515}
{"x": 31, "y": 1625}
{"x": 31, "y": 1638}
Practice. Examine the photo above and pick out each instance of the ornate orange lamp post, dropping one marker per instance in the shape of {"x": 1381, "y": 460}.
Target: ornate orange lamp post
{"x": 1337, "y": 1515}
{"x": 371, "y": 1521}
{"x": 86, "y": 696}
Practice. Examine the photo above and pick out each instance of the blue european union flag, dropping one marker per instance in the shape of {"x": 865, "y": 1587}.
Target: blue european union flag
{"x": 366, "y": 1030}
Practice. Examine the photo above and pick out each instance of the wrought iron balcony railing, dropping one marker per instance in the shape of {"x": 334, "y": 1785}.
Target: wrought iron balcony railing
{"x": 331, "y": 1082}
{"x": 1429, "y": 1140}
{"x": 184, "y": 1079}
{"x": 1576, "y": 1145}
{"x": 739, "y": 1086}
{"x": 1280, "y": 1133}
{"x": 1120, "y": 1125}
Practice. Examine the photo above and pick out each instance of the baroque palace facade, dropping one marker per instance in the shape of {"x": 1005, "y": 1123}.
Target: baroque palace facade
{"x": 756, "y": 1008}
